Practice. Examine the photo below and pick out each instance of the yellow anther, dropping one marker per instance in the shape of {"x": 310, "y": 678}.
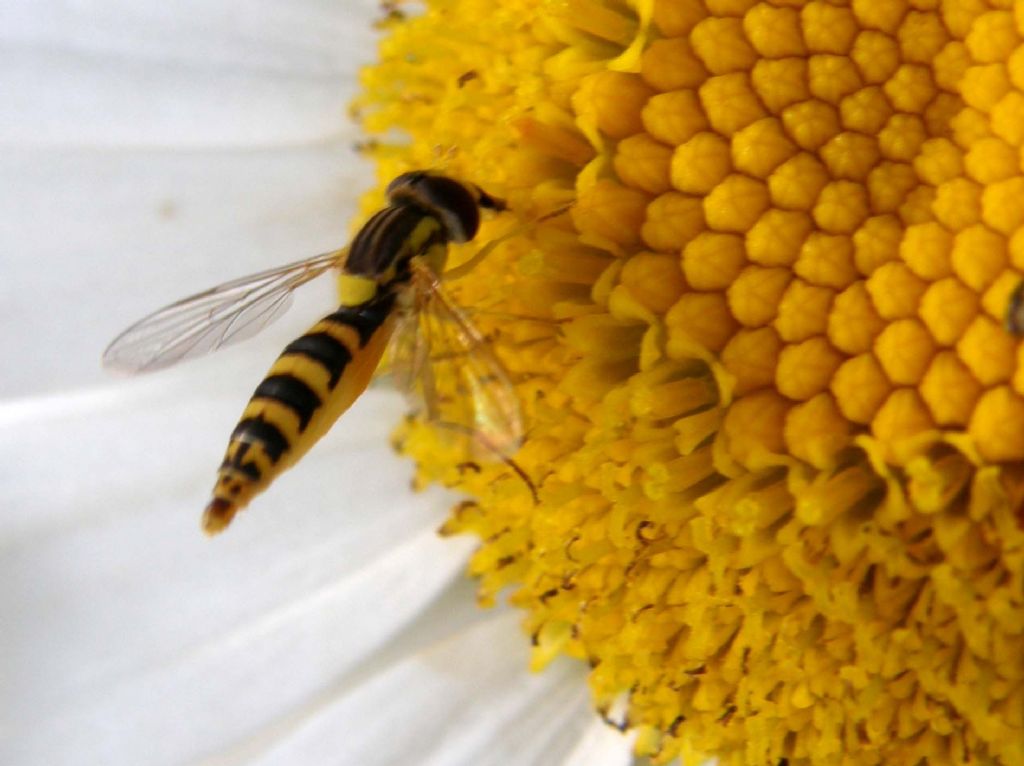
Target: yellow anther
{"x": 851, "y": 155}
{"x": 1006, "y": 116}
{"x": 917, "y": 206}
{"x": 997, "y": 425}
{"x": 675, "y": 18}
{"x": 598, "y": 20}
{"x": 889, "y": 185}
{"x": 993, "y": 37}
{"x": 904, "y": 349}
{"x": 927, "y": 249}
{"x": 969, "y": 126}
{"x": 778, "y": 237}
{"x": 816, "y": 431}
{"x": 950, "y": 64}
{"x": 735, "y": 204}
{"x": 811, "y": 123}
{"x": 674, "y": 117}
{"x": 876, "y": 242}
{"x": 895, "y": 290}
{"x": 910, "y": 88}
{"x": 988, "y": 351}
{"x": 1015, "y": 65}
{"x": 803, "y": 311}
{"x": 957, "y": 203}
{"x": 806, "y": 369}
{"x": 983, "y": 86}
{"x": 672, "y": 220}
{"x": 902, "y": 137}
{"x": 797, "y": 182}
{"x": 991, "y": 159}
{"x": 1001, "y": 207}
{"x": 831, "y": 78}
{"x": 853, "y": 322}
{"x": 754, "y": 296}
{"x": 939, "y": 160}
{"x": 877, "y": 55}
{"x": 721, "y": 44}
{"x": 940, "y": 113}
{"x": 884, "y": 16}
{"x": 947, "y": 308}
{"x": 616, "y": 100}
{"x": 730, "y": 102}
{"x": 842, "y": 207}
{"x": 949, "y": 390}
{"x": 761, "y": 147}
{"x": 730, "y": 7}
{"x": 751, "y": 357}
{"x": 611, "y": 212}
{"x": 671, "y": 64}
{"x": 554, "y": 141}
{"x": 902, "y": 416}
{"x": 979, "y": 256}
{"x": 959, "y": 17}
{"x": 827, "y": 259}
{"x": 643, "y": 163}
{"x": 774, "y": 32}
{"x": 754, "y": 426}
{"x": 703, "y": 318}
{"x": 921, "y": 36}
{"x": 860, "y": 386}
{"x": 699, "y": 165}
{"x": 828, "y": 28}
{"x": 780, "y": 82}
{"x": 712, "y": 260}
{"x": 655, "y": 280}
{"x": 865, "y": 111}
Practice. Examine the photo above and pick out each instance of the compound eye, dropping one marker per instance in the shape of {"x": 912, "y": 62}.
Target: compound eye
{"x": 454, "y": 204}
{"x": 404, "y": 184}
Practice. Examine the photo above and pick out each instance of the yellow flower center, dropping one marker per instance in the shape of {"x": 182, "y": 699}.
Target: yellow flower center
{"x": 773, "y": 414}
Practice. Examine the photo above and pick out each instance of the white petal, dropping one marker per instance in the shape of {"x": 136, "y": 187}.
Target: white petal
{"x": 464, "y": 700}
{"x": 92, "y": 241}
{"x": 602, "y": 745}
{"x": 149, "y": 151}
{"x": 126, "y": 627}
{"x": 188, "y": 73}
{"x": 328, "y": 625}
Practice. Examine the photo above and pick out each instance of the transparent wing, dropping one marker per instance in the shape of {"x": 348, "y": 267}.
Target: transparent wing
{"x": 212, "y": 319}
{"x": 443, "y": 363}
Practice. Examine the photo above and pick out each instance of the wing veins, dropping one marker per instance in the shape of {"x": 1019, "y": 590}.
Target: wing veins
{"x": 484, "y": 393}
{"x": 211, "y": 319}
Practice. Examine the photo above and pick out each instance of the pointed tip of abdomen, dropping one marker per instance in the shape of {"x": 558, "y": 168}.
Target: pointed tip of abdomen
{"x": 218, "y": 515}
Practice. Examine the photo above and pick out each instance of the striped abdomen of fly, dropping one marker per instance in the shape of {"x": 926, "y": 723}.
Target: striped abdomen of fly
{"x": 319, "y": 375}
{"x": 311, "y": 384}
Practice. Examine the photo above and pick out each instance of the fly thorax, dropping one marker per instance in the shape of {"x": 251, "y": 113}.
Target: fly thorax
{"x": 434, "y": 257}
{"x": 355, "y": 289}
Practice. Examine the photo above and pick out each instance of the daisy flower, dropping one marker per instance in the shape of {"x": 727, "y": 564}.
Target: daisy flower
{"x": 769, "y": 359}
{"x": 149, "y": 151}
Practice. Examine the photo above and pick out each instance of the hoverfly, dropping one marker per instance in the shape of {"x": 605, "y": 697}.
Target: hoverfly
{"x": 391, "y": 295}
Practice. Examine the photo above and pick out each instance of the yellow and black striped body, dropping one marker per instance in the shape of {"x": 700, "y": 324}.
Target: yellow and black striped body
{"x": 317, "y": 377}
{"x": 320, "y": 374}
